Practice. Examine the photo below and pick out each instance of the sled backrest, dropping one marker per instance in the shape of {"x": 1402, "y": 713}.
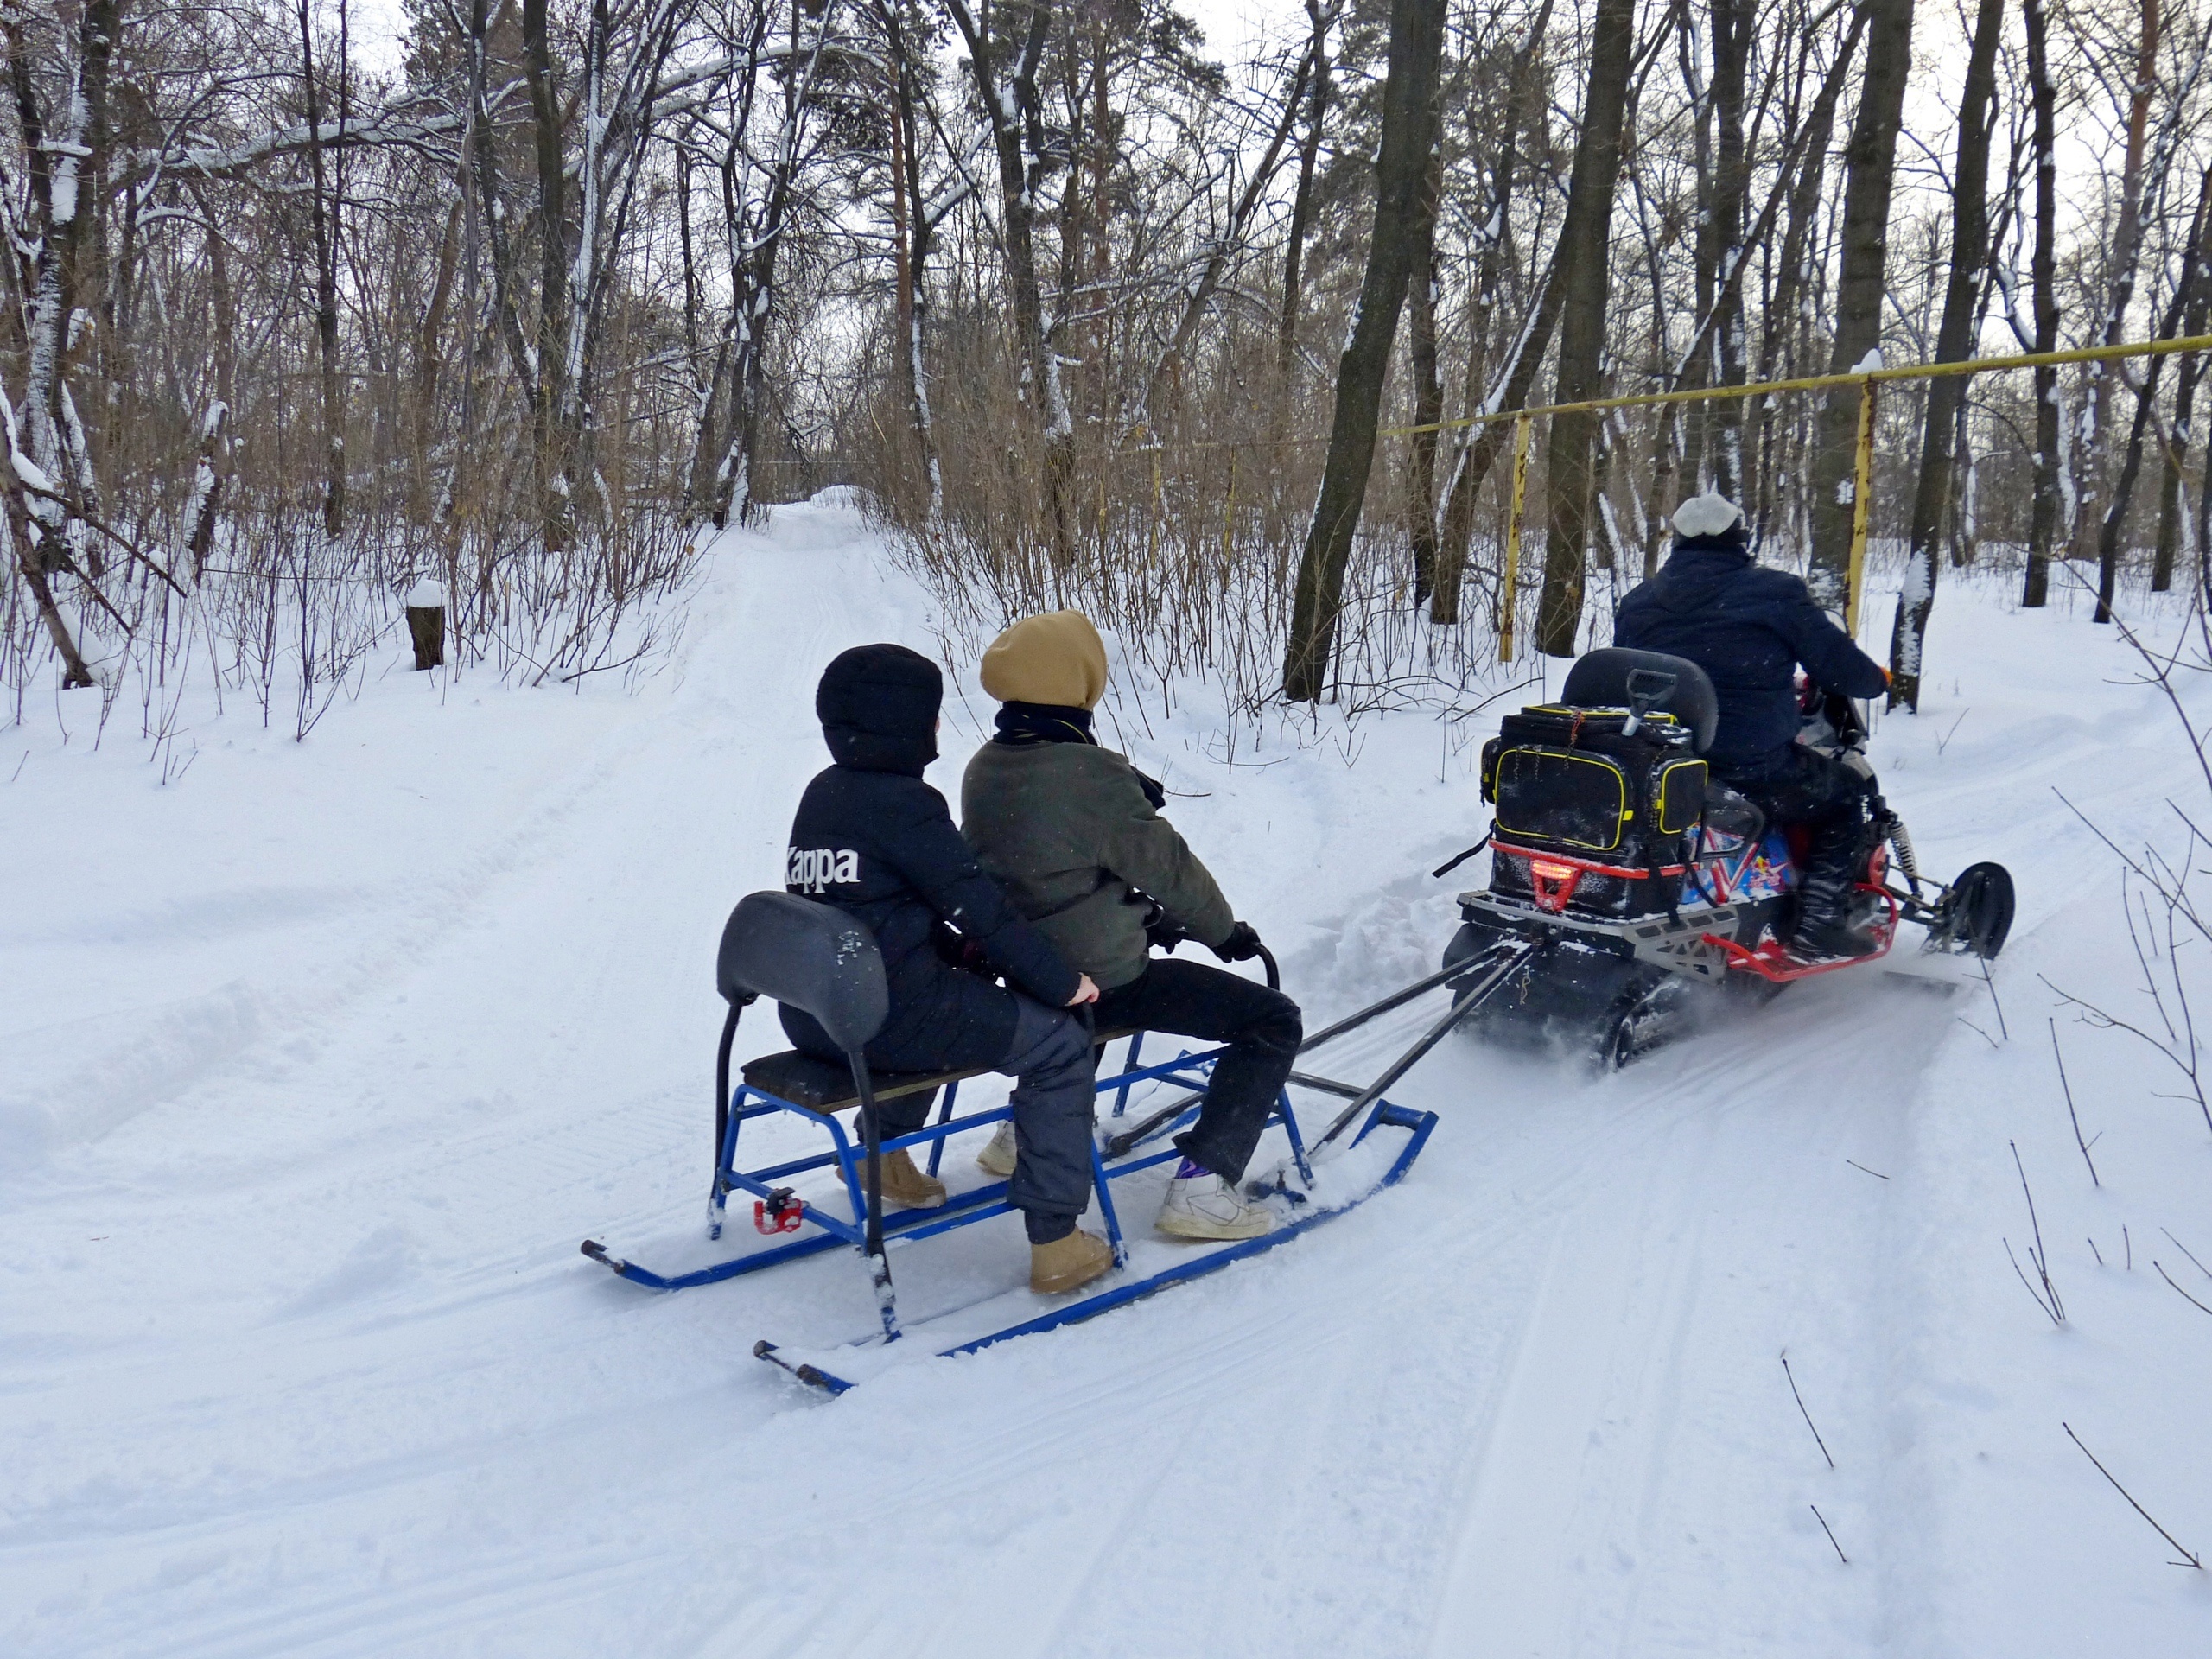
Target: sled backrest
{"x": 810, "y": 955}
{"x": 1650, "y": 682}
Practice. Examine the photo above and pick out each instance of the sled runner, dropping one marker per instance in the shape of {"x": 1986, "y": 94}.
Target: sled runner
{"x": 817, "y": 957}
{"x": 1645, "y": 888}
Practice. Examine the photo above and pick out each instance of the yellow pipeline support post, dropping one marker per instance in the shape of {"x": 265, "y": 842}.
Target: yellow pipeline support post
{"x": 1862, "y": 507}
{"x": 1509, "y": 594}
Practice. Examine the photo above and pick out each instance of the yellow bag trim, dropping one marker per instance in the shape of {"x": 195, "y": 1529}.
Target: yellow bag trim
{"x": 1668, "y": 827}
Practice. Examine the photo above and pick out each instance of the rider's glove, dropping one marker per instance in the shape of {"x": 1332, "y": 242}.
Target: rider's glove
{"x": 1242, "y": 944}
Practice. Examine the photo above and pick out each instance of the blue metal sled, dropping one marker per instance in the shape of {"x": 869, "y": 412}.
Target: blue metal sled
{"x": 812, "y": 955}
{"x": 1017, "y": 1312}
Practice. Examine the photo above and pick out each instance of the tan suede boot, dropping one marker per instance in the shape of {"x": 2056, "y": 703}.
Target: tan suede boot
{"x": 904, "y": 1187}
{"x": 1066, "y": 1263}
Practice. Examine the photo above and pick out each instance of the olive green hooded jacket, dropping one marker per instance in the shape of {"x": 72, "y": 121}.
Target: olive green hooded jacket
{"x": 1067, "y": 831}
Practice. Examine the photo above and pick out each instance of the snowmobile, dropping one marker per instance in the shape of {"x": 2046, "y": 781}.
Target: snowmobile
{"x": 1629, "y": 891}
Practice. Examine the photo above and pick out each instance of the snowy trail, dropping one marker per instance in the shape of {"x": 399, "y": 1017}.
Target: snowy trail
{"x": 299, "y": 1358}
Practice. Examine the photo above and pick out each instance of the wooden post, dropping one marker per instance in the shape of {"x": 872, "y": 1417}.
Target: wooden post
{"x": 426, "y": 621}
{"x": 1862, "y": 508}
{"x": 1508, "y": 591}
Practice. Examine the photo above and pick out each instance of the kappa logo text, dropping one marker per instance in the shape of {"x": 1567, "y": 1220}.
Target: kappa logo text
{"x": 813, "y": 868}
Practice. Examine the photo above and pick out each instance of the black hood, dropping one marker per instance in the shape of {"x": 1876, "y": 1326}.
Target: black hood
{"x": 878, "y": 707}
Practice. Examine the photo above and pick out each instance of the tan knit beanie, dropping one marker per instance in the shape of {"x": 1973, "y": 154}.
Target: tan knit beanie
{"x": 1057, "y": 659}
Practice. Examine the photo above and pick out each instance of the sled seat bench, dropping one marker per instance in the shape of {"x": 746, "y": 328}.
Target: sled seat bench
{"x": 818, "y": 1091}
{"x": 828, "y": 1086}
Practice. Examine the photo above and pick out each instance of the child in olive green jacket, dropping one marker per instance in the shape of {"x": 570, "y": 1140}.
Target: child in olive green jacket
{"x": 1073, "y": 831}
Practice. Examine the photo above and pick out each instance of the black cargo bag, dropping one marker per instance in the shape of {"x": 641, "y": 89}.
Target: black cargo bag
{"x": 1571, "y": 787}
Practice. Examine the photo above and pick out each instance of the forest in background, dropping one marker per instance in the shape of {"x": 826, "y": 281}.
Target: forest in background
{"x": 1092, "y": 318}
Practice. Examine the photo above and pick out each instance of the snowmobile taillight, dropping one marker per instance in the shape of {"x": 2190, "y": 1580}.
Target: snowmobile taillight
{"x": 782, "y": 1211}
{"x": 1552, "y": 885}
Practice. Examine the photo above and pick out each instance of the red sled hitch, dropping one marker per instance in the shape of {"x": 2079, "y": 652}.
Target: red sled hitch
{"x": 781, "y": 1211}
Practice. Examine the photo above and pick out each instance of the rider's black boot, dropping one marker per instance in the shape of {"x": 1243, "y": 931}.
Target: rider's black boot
{"x": 1823, "y": 931}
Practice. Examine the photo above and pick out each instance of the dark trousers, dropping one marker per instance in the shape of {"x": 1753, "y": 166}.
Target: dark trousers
{"x": 1829, "y": 799}
{"x": 1261, "y": 1028}
{"x": 1050, "y": 1060}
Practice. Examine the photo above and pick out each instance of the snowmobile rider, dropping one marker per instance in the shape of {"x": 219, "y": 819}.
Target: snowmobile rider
{"x": 1748, "y": 628}
{"x": 1075, "y": 833}
{"x": 876, "y": 841}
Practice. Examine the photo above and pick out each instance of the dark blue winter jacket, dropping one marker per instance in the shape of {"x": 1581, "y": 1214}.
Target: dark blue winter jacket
{"x": 1748, "y": 628}
{"x": 875, "y": 841}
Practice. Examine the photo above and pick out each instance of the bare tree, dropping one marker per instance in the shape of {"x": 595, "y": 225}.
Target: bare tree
{"x": 1954, "y": 343}
{"x": 1869, "y": 180}
{"x": 1585, "y": 241}
{"x": 1401, "y": 168}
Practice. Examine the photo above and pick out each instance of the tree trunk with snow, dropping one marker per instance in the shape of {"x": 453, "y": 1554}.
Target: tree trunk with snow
{"x": 1585, "y": 241}
{"x": 1787, "y": 319}
{"x": 1022, "y": 148}
{"x": 1301, "y": 201}
{"x": 2147, "y": 398}
{"x": 2197, "y": 276}
{"x": 1724, "y": 248}
{"x": 2043, "y": 515}
{"x": 2093, "y": 436}
{"x": 1954, "y": 344}
{"x": 1871, "y": 172}
{"x": 1400, "y": 172}
{"x": 1428, "y": 388}
{"x": 1474, "y": 449}
{"x": 322, "y": 221}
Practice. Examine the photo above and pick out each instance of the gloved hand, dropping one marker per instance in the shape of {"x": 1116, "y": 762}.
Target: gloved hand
{"x": 1161, "y": 931}
{"x": 1242, "y": 944}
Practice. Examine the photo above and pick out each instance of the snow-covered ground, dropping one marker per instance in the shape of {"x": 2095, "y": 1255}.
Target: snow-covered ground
{"x": 315, "y": 1066}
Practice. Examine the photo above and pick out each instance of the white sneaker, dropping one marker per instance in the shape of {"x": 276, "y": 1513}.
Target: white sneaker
{"x": 1205, "y": 1206}
{"x": 998, "y": 1158}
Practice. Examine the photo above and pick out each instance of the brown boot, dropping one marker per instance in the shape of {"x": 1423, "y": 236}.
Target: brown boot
{"x": 904, "y": 1187}
{"x": 1066, "y": 1263}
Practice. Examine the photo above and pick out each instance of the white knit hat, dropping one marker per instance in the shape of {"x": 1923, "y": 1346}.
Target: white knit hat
{"x": 1706, "y": 515}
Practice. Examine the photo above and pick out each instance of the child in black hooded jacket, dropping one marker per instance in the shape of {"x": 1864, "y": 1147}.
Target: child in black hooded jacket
{"x": 872, "y": 839}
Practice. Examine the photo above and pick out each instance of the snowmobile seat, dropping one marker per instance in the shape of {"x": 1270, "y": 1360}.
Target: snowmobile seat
{"x": 1648, "y": 682}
